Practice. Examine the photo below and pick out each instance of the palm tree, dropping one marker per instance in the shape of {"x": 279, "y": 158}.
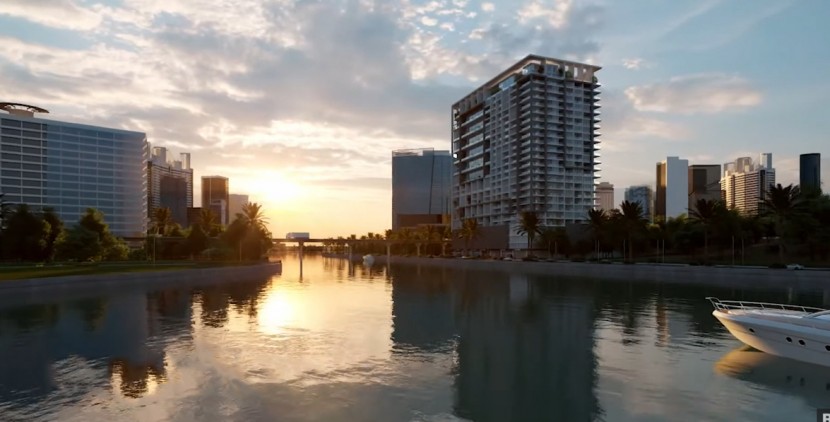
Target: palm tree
{"x": 597, "y": 220}
{"x": 529, "y": 225}
{"x": 420, "y": 235}
{"x": 469, "y": 231}
{"x": 781, "y": 203}
{"x": 633, "y": 221}
{"x": 207, "y": 219}
{"x": 705, "y": 212}
{"x": 162, "y": 218}
{"x": 446, "y": 237}
{"x": 255, "y": 223}
{"x": 253, "y": 216}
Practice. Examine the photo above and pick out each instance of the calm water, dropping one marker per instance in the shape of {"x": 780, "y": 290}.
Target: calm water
{"x": 399, "y": 344}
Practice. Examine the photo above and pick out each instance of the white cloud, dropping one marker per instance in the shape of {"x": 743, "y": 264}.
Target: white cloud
{"x": 698, "y": 93}
{"x": 448, "y": 26}
{"x": 634, "y": 64}
{"x": 555, "y": 15}
{"x": 65, "y": 14}
{"x": 488, "y": 7}
{"x": 428, "y": 21}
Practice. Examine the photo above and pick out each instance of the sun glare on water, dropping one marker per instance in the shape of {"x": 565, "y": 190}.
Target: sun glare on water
{"x": 277, "y": 312}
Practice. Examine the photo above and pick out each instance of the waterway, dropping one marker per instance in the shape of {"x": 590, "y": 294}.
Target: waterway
{"x": 399, "y": 343}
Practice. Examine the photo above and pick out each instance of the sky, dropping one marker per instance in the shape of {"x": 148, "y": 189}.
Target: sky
{"x": 300, "y": 102}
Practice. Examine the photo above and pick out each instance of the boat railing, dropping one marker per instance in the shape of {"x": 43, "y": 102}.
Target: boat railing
{"x": 727, "y": 305}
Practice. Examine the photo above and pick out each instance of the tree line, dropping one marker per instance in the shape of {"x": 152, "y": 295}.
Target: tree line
{"x": 41, "y": 236}
{"x": 791, "y": 224}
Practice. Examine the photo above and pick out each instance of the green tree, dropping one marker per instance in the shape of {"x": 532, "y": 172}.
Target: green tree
{"x": 5, "y": 209}
{"x": 162, "y": 219}
{"x": 781, "y": 204}
{"x": 197, "y": 240}
{"x": 26, "y": 236}
{"x": 91, "y": 240}
{"x": 633, "y": 223}
{"x": 56, "y": 230}
{"x": 530, "y": 225}
{"x": 208, "y": 222}
{"x": 598, "y": 222}
{"x": 80, "y": 244}
{"x": 257, "y": 236}
{"x": 469, "y": 231}
{"x": 706, "y": 213}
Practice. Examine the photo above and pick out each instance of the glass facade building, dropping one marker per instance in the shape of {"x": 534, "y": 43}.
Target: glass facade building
{"x": 421, "y": 187}
{"x": 71, "y": 167}
{"x": 216, "y": 196}
{"x": 809, "y": 171}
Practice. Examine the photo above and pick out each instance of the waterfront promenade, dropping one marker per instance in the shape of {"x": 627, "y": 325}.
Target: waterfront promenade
{"x": 724, "y": 276}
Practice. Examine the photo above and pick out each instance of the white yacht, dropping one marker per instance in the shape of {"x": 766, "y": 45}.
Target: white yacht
{"x": 791, "y": 331}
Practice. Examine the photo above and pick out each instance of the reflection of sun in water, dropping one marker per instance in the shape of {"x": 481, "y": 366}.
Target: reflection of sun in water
{"x": 277, "y": 312}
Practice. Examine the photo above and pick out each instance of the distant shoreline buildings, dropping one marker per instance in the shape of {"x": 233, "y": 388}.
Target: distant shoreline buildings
{"x": 70, "y": 167}
{"x": 745, "y": 183}
{"x": 170, "y": 185}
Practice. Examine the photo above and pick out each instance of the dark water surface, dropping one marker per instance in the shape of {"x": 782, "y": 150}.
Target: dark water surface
{"x": 402, "y": 344}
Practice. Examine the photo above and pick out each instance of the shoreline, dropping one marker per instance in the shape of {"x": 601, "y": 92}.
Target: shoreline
{"x": 721, "y": 276}
{"x": 121, "y": 281}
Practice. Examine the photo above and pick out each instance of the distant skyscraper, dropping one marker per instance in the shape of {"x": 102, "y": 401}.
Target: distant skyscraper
{"x": 194, "y": 216}
{"x": 745, "y": 187}
{"x": 672, "y": 193}
{"x": 526, "y": 141}
{"x": 216, "y": 196}
{"x": 420, "y": 187}
{"x": 158, "y": 169}
{"x": 71, "y": 167}
{"x": 605, "y": 196}
{"x": 809, "y": 171}
{"x": 642, "y": 195}
{"x": 236, "y": 203}
{"x": 704, "y": 183}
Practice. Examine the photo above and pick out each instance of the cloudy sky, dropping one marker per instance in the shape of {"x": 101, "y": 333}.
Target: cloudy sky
{"x": 300, "y": 102}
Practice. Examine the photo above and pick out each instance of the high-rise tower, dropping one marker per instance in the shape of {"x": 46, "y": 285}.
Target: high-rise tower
{"x": 527, "y": 141}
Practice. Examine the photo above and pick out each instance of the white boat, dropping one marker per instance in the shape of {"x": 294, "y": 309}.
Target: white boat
{"x": 368, "y": 260}
{"x": 791, "y": 331}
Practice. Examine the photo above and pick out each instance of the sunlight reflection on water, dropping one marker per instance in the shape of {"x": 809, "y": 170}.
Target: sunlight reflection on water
{"x": 413, "y": 344}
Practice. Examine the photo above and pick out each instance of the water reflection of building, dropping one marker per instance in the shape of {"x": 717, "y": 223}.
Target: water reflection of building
{"x": 96, "y": 330}
{"x": 525, "y": 359}
{"x": 672, "y": 327}
{"x": 422, "y": 311}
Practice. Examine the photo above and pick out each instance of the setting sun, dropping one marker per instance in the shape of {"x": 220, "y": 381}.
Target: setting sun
{"x": 273, "y": 188}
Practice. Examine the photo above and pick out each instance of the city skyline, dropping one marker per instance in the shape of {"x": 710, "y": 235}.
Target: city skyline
{"x": 265, "y": 105}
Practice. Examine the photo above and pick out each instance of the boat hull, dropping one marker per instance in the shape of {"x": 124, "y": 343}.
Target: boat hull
{"x": 806, "y": 344}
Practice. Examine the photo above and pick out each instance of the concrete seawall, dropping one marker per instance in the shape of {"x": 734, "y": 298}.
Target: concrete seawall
{"x": 83, "y": 284}
{"x": 666, "y": 273}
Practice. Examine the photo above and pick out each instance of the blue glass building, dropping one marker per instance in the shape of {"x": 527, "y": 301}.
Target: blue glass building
{"x": 71, "y": 167}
